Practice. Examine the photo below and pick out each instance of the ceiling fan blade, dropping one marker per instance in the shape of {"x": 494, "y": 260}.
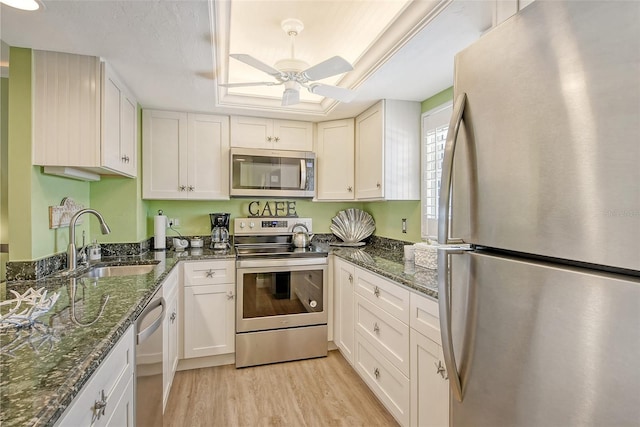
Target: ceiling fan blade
{"x": 340, "y": 93}
{"x": 249, "y": 84}
{"x": 327, "y": 68}
{"x": 290, "y": 97}
{"x": 255, "y": 63}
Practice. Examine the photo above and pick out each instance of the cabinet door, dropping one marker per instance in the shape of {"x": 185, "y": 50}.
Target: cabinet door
{"x": 369, "y": 153}
{"x": 129, "y": 134}
{"x": 429, "y": 384}
{"x": 119, "y": 120}
{"x": 170, "y": 333}
{"x": 209, "y": 320}
{"x": 335, "y": 152}
{"x": 292, "y": 135}
{"x": 343, "y": 311}
{"x": 251, "y": 132}
{"x": 164, "y": 163}
{"x": 208, "y": 157}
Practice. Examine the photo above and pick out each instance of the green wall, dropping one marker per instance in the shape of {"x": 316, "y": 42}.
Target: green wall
{"x": 437, "y": 99}
{"x": 30, "y": 192}
{"x": 4, "y": 145}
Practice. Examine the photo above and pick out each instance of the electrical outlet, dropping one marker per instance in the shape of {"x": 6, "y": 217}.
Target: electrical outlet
{"x": 174, "y": 222}
{"x": 404, "y": 225}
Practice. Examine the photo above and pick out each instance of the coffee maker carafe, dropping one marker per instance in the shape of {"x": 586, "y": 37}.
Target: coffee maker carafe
{"x": 219, "y": 230}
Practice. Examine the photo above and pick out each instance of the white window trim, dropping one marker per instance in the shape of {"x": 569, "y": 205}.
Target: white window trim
{"x": 429, "y": 227}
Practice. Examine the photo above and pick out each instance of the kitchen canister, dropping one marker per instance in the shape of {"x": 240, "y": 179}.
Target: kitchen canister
{"x": 426, "y": 255}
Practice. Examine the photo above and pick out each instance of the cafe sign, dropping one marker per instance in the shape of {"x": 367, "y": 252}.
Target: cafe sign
{"x": 271, "y": 208}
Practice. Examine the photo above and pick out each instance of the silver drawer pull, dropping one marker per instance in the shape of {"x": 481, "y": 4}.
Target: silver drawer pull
{"x": 210, "y": 273}
{"x": 376, "y": 373}
{"x": 100, "y": 406}
{"x": 230, "y": 295}
{"x": 376, "y": 291}
{"x": 376, "y": 328}
{"x": 173, "y": 317}
{"x": 350, "y": 278}
{"x": 440, "y": 369}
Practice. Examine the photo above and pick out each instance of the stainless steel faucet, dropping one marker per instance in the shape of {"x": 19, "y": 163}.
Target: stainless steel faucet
{"x": 72, "y": 254}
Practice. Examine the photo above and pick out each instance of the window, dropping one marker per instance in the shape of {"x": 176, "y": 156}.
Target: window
{"x": 435, "y": 124}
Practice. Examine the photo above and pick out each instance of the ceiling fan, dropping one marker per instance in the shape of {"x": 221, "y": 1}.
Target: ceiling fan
{"x": 294, "y": 73}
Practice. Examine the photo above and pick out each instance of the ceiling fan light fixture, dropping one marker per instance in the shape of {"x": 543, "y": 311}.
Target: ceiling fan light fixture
{"x": 292, "y": 26}
{"x": 291, "y": 65}
{"x": 29, "y": 5}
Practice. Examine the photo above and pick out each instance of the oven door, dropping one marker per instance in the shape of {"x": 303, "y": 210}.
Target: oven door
{"x": 281, "y": 293}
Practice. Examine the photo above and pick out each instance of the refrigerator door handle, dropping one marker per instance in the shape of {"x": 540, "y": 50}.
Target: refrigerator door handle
{"x": 444, "y": 305}
{"x": 447, "y": 171}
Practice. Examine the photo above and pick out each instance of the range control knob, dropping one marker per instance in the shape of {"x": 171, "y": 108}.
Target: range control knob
{"x": 313, "y": 303}
{"x": 252, "y": 224}
{"x": 242, "y": 225}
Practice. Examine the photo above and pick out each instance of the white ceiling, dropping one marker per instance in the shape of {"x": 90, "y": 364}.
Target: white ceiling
{"x": 172, "y": 54}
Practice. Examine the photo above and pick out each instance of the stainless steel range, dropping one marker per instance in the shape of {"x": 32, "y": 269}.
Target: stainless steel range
{"x": 281, "y": 312}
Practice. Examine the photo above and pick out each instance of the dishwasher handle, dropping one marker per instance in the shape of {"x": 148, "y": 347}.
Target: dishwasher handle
{"x": 144, "y": 334}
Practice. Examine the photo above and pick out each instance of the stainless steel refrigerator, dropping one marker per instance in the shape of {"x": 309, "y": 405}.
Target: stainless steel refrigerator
{"x": 540, "y": 316}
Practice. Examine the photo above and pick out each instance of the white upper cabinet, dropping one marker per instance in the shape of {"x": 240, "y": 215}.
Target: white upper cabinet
{"x": 185, "y": 156}
{"x": 335, "y": 153}
{"x": 119, "y": 125}
{"x": 84, "y": 117}
{"x": 387, "y": 151}
{"x": 258, "y": 132}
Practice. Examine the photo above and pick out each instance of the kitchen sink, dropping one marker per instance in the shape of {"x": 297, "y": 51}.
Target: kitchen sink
{"x": 120, "y": 270}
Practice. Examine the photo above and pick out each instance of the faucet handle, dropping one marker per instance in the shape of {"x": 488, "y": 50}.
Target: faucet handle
{"x": 82, "y": 255}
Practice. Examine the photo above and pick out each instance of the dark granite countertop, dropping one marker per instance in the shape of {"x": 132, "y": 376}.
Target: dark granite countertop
{"x": 43, "y": 367}
{"x": 389, "y": 262}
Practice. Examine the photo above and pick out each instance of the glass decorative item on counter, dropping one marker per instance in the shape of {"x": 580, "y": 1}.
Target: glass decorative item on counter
{"x": 26, "y": 308}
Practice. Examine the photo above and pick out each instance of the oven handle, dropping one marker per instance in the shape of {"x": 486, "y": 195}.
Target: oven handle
{"x": 280, "y": 262}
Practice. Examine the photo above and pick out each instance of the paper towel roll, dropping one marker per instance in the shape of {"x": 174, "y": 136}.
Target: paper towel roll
{"x": 160, "y": 231}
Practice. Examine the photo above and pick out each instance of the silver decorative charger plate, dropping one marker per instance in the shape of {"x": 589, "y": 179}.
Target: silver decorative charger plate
{"x": 352, "y": 226}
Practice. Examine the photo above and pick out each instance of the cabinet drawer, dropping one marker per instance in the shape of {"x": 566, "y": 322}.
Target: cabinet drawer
{"x": 424, "y": 317}
{"x": 384, "y": 379}
{"x": 386, "y": 333}
{"x": 112, "y": 377}
{"x": 384, "y": 293}
{"x": 209, "y": 272}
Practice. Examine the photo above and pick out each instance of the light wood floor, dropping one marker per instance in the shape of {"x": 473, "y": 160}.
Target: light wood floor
{"x": 315, "y": 392}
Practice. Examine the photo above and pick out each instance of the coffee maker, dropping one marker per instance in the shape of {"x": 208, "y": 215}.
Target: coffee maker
{"x": 219, "y": 230}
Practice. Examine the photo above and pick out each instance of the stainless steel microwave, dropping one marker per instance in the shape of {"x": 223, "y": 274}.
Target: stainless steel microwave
{"x": 272, "y": 173}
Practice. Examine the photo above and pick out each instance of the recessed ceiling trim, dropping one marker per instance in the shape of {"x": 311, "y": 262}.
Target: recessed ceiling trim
{"x": 407, "y": 24}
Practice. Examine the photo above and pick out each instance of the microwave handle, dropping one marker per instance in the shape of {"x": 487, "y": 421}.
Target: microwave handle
{"x": 303, "y": 174}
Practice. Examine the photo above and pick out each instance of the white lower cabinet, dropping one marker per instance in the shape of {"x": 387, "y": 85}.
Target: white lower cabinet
{"x": 343, "y": 330}
{"x": 108, "y": 398}
{"x": 391, "y": 336}
{"x": 429, "y": 383}
{"x": 383, "y": 378}
{"x": 170, "y": 333}
{"x": 209, "y": 308}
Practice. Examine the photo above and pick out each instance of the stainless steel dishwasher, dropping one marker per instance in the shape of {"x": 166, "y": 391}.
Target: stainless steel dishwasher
{"x": 149, "y": 362}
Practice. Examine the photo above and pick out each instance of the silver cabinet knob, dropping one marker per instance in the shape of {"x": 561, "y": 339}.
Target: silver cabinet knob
{"x": 376, "y": 328}
{"x": 376, "y": 373}
{"x": 173, "y": 317}
{"x": 350, "y": 189}
{"x": 376, "y": 291}
{"x": 230, "y": 295}
{"x": 350, "y": 277}
{"x": 183, "y": 187}
{"x": 191, "y": 188}
{"x": 269, "y": 139}
{"x": 210, "y": 273}
{"x": 276, "y": 138}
